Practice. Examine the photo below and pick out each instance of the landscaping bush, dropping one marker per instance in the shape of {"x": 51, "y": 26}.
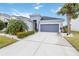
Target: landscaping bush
{"x": 65, "y": 29}
{"x": 24, "y": 34}
{"x": 2, "y": 25}
{"x": 15, "y": 26}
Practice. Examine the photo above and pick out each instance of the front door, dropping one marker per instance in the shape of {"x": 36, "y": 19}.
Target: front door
{"x": 35, "y": 25}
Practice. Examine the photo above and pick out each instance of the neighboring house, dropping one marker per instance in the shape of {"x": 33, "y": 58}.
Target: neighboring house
{"x": 3, "y": 19}
{"x": 6, "y": 18}
{"x": 47, "y": 24}
{"x": 26, "y": 20}
{"x": 75, "y": 24}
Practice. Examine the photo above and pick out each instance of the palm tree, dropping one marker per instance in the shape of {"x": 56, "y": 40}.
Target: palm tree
{"x": 71, "y": 10}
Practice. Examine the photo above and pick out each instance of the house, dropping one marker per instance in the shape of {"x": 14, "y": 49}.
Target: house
{"x": 5, "y": 18}
{"x": 46, "y": 24}
{"x": 26, "y": 20}
{"x": 38, "y": 22}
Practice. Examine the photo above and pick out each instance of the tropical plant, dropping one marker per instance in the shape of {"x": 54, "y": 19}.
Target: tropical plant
{"x": 15, "y": 26}
{"x": 71, "y": 10}
{"x": 2, "y": 25}
{"x": 65, "y": 30}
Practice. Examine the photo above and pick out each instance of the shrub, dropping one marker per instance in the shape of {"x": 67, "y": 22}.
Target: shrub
{"x": 15, "y": 26}
{"x": 2, "y": 25}
{"x": 24, "y": 34}
{"x": 65, "y": 29}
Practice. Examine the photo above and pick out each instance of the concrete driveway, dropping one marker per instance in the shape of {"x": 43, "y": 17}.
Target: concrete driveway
{"x": 40, "y": 44}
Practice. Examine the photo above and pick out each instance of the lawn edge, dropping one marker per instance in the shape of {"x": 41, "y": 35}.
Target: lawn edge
{"x": 71, "y": 44}
{"x": 8, "y": 44}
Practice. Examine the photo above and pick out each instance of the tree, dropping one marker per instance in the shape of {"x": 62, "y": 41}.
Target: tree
{"x": 2, "y": 25}
{"x": 71, "y": 10}
{"x": 15, "y": 26}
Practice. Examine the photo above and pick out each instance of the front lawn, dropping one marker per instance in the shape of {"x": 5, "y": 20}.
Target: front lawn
{"x": 74, "y": 40}
{"x": 4, "y": 41}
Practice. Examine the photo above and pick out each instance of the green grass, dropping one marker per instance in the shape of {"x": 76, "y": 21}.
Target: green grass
{"x": 5, "y": 41}
{"x": 74, "y": 41}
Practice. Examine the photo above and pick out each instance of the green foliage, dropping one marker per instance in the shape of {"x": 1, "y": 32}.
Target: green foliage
{"x": 2, "y": 25}
{"x": 70, "y": 8}
{"x": 24, "y": 34}
{"x": 65, "y": 30}
{"x": 15, "y": 26}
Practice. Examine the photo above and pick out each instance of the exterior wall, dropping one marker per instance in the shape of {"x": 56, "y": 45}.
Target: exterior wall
{"x": 50, "y": 22}
{"x": 37, "y": 17}
{"x": 4, "y": 19}
{"x": 75, "y": 24}
{"x": 30, "y": 25}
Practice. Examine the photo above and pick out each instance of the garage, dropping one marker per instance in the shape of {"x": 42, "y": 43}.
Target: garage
{"x": 47, "y": 23}
{"x": 49, "y": 27}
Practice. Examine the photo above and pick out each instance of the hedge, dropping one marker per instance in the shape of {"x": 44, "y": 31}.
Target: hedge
{"x": 24, "y": 34}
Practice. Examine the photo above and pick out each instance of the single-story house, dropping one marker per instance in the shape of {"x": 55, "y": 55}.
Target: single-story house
{"x": 5, "y": 18}
{"x": 38, "y": 22}
{"x": 46, "y": 24}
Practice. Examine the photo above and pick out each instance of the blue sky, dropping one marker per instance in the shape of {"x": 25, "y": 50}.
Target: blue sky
{"x": 24, "y": 9}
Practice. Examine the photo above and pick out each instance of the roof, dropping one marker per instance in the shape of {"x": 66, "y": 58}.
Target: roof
{"x": 50, "y": 18}
{"x": 34, "y": 15}
{"x": 6, "y": 17}
{"x": 22, "y": 18}
{"x": 46, "y": 17}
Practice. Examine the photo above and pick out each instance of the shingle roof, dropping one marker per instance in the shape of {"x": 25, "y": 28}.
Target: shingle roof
{"x": 35, "y": 15}
{"x": 50, "y": 18}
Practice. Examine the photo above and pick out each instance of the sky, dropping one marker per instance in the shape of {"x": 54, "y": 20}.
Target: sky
{"x": 24, "y": 9}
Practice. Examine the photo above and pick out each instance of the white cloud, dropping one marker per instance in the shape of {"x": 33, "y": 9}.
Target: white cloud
{"x": 18, "y": 13}
{"x": 58, "y": 9}
{"x": 37, "y": 6}
{"x": 55, "y": 10}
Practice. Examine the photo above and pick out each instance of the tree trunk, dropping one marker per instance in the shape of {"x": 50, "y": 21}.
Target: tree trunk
{"x": 68, "y": 24}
